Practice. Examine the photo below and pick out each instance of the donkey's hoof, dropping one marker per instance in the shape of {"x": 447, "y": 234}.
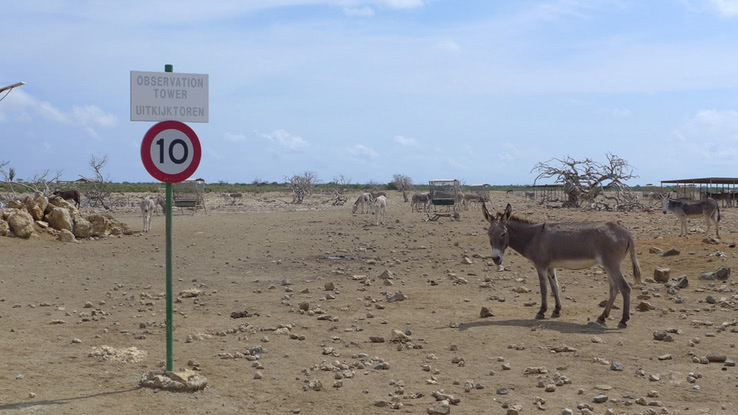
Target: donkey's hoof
{"x": 540, "y": 316}
{"x": 622, "y": 325}
{"x": 555, "y": 314}
{"x": 601, "y": 321}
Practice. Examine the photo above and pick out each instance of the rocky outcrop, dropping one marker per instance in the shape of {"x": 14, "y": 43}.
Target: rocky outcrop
{"x": 59, "y": 218}
{"x": 21, "y": 223}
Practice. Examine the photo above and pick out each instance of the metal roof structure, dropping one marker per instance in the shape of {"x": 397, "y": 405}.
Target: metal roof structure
{"x": 704, "y": 180}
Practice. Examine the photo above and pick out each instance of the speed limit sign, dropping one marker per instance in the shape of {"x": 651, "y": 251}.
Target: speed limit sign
{"x": 170, "y": 151}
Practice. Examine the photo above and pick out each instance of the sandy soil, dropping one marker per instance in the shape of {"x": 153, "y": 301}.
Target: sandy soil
{"x": 60, "y": 301}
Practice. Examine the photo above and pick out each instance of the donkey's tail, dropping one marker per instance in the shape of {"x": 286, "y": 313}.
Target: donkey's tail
{"x": 634, "y": 260}
{"x": 718, "y": 212}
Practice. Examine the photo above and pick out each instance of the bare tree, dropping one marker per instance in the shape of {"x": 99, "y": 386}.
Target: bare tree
{"x": 302, "y": 185}
{"x": 586, "y": 179}
{"x": 342, "y": 180}
{"x": 403, "y": 183}
{"x": 41, "y": 183}
{"x": 98, "y": 191}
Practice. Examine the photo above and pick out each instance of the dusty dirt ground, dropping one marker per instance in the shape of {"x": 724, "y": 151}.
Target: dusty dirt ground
{"x": 59, "y": 301}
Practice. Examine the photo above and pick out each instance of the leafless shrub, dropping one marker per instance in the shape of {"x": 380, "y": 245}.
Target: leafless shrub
{"x": 42, "y": 183}
{"x": 98, "y": 190}
{"x": 403, "y": 184}
{"x": 302, "y": 185}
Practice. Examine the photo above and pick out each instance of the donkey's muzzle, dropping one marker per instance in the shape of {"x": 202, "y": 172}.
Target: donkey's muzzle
{"x": 497, "y": 259}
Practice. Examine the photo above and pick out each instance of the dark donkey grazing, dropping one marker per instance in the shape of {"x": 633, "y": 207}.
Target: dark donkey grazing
{"x": 569, "y": 245}
{"x": 69, "y": 195}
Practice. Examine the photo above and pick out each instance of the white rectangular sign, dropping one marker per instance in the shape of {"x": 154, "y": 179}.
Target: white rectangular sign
{"x": 161, "y": 96}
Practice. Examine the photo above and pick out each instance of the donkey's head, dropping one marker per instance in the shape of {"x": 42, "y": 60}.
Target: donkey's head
{"x": 665, "y": 203}
{"x": 499, "y": 239}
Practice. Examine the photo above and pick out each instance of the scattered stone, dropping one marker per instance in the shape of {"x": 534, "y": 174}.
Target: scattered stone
{"x": 185, "y": 380}
{"x": 398, "y": 296}
{"x": 329, "y": 286}
{"x": 485, "y": 313}
{"x": 439, "y": 408}
{"x": 601, "y": 398}
{"x": 376, "y": 339}
{"x": 710, "y": 241}
{"x": 645, "y": 306}
{"x": 190, "y": 292}
{"x": 716, "y": 357}
{"x": 617, "y": 366}
{"x": 661, "y": 274}
{"x": 386, "y": 275}
{"x": 671, "y": 252}
{"x": 515, "y": 409}
{"x": 125, "y": 355}
{"x": 682, "y": 282}
{"x": 654, "y": 250}
{"x": 721, "y": 274}
{"x": 399, "y": 337}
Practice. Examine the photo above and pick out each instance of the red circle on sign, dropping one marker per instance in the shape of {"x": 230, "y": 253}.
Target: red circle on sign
{"x": 152, "y": 167}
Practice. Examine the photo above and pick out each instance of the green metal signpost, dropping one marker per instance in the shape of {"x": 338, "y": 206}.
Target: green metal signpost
{"x": 170, "y": 152}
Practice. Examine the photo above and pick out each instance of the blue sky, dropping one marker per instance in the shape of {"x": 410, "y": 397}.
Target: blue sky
{"x": 474, "y": 90}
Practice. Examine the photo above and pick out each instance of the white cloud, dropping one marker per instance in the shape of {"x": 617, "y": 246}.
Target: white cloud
{"x": 717, "y": 122}
{"x": 725, "y": 8}
{"x": 235, "y": 137}
{"x": 448, "y": 46}
{"x": 711, "y": 135}
{"x": 404, "y": 4}
{"x": 91, "y": 115}
{"x": 621, "y": 112}
{"x": 616, "y": 112}
{"x": 358, "y": 11}
{"x": 360, "y": 150}
{"x": 405, "y": 141}
{"x": 286, "y": 140}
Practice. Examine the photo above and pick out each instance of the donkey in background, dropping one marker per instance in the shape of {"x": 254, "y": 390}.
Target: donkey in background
{"x": 708, "y": 208}
{"x": 569, "y": 245}
{"x": 362, "y": 200}
{"x": 147, "y": 208}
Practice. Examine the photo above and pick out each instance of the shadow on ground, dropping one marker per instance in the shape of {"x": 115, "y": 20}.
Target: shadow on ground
{"x": 560, "y": 326}
{"x": 60, "y": 401}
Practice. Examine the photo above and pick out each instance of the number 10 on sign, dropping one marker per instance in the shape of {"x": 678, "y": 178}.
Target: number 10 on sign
{"x": 170, "y": 151}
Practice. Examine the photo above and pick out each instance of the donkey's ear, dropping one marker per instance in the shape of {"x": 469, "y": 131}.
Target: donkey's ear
{"x": 508, "y": 213}
{"x": 486, "y": 214}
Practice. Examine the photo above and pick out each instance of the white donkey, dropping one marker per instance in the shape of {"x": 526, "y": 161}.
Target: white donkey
{"x": 147, "y": 209}
{"x": 708, "y": 208}
{"x": 363, "y": 199}
{"x": 379, "y": 208}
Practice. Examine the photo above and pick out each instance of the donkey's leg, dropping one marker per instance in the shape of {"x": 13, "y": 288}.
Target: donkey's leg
{"x": 613, "y": 293}
{"x": 712, "y": 218}
{"x": 708, "y": 219}
{"x": 717, "y": 225}
{"x": 555, "y": 289}
{"x": 543, "y": 286}
{"x": 683, "y": 231}
{"x": 625, "y": 290}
